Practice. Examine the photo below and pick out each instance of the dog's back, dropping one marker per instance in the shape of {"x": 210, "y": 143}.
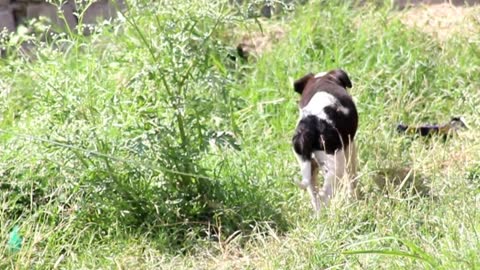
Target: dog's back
{"x": 326, "y": 110}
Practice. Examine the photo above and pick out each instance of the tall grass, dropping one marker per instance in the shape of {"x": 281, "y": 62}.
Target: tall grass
{"x": 147, "y": 146}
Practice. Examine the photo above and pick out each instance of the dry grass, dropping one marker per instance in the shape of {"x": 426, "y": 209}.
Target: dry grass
{"x": 259, "y": 38}
{"x": 443, "y": 20}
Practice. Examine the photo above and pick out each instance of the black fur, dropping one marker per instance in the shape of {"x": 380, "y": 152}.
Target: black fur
{"x": 300, "y": 84}
{"x": 402, "y": 128}
{"x": 314, "y": 134}
{"x": 341, "y": 77}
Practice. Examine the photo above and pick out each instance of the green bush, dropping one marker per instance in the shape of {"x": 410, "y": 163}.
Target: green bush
{"x": 124, "y": 137}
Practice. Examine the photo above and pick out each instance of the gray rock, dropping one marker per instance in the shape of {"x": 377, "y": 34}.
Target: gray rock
{"x": 6, "y": 20}
{"x": 100, "y": 11}
{"x": 50, "y": 11}
{"x": 28, "y": 1}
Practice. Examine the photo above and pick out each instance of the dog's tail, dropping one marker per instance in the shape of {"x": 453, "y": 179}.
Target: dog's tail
{"x": 306, "y": 136}
{"x": 316, "y": 134}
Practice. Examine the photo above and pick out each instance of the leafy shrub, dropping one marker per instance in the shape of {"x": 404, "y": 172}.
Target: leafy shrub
{"x": 125, "y": 140}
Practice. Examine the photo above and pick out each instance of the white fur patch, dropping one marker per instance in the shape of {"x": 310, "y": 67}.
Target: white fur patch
{"x": 306, "y": 168}
{"x": 320, "y": 74}
{"x": 344, "y": 110}
{"x": 317, "y": 104}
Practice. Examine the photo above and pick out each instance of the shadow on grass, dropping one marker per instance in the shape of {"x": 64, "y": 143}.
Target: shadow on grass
{"x": 403, "y": 180}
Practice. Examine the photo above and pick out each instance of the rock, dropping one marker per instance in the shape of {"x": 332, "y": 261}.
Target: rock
{"x": 50, "y": 11}
{"x": 100, "y": 11}
{"x": 6, "y": 20}
{"x": 4, "y": 3}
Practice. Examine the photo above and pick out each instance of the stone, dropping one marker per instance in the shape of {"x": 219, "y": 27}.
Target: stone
{"x": 6, "y": 20}
{"x": 100, "y": 11}
{"x": 4, "y": 3}
{"x": 50, "y": 11}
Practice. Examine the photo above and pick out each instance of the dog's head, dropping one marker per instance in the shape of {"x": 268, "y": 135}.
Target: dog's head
{"x": 336, "y": 76}
{"x": 334, "y": 82}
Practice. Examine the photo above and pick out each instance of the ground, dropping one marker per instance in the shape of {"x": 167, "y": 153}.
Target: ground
{"x": 443, "y": 20}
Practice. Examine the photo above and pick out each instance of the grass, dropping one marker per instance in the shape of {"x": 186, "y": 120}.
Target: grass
{"x": 145, "y": 146}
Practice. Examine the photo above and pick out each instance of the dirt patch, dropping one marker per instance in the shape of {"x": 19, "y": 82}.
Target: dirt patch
{"x": 438, "y": 20}
{"x": 443, "y": 20}
{"x": 254, "y": 43}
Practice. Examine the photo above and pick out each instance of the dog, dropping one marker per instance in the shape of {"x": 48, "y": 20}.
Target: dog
{"x": 325, "y": 133}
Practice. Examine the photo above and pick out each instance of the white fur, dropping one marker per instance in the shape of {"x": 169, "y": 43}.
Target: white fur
{"x": 317, "y": 104}
{"x": 320, "y": 74}
{"x": 334, "y": 169}
{"x": 306, "y": 170}
{"x": 339, "y": 171}
{"x": 308, "y": 182}
{"x": 343, "y": 109}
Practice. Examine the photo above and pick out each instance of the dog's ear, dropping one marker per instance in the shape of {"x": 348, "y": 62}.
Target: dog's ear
{"x": 300, "y": 84}
{"x": 341, "y": 77}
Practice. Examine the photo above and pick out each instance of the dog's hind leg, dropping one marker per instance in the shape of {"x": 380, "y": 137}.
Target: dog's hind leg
{"x": 351, "y": 169}
{"x": 306, "y": 171}
{"x": 309, "y": 171}
{"x": 334, "y": 169}
{"x": 313, "y": 189}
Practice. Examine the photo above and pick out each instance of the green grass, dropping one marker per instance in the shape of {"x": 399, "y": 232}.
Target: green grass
{"x": 145, "y": 146}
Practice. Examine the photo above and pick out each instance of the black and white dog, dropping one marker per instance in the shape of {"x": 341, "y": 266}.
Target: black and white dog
{"x": 325, "y": 133}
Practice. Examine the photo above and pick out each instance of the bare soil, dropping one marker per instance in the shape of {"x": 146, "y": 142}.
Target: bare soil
{"x": 254, "y": 43}
{"x": 443, "y": 20}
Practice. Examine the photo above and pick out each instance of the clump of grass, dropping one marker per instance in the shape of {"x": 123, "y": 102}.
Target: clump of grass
{"x": 147, "y": 139}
